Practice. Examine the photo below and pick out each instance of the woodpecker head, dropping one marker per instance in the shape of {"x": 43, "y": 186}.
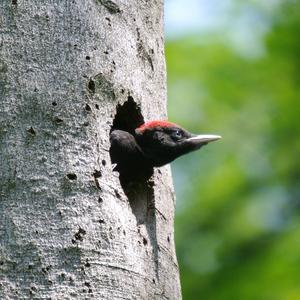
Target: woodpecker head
{"x": 162, "y": 141}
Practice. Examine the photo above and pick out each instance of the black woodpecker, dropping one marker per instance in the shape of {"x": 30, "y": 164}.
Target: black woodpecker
{"x": 153, "y": 144}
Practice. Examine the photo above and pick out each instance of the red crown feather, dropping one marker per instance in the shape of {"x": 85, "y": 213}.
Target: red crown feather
{"x": 156, "y": 123}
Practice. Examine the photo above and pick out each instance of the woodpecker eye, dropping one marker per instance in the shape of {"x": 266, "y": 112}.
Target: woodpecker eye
{"x": 177, "y": 134}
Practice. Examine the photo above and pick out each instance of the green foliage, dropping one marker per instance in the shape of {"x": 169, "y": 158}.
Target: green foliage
{"x": 238, "y": 217}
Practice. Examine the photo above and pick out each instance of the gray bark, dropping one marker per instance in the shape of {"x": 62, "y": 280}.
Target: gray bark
{"x": 67, "y": 229}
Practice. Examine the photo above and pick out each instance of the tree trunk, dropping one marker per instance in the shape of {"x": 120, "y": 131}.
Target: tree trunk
{"x": 70, "y": 71}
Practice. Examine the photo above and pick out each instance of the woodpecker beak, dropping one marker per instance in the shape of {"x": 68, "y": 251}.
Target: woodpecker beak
{"x": 204, "y": 138}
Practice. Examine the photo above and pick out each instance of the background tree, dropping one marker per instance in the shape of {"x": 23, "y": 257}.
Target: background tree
{"x": 69, "y": 72}
{"x": 237, "y": 220}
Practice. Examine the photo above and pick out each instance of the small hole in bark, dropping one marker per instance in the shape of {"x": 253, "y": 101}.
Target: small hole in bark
{"x": 72, "y": 176}
{"x": 33, "y": 289}
{"x": 117, "y": 194}
{"x": 80, "y": 234}
{"x": 145, "y": 242}
{"x": 87, "y": 57}
{"x": 92, "y": 86}
{"x": 97, "y": 106}
{"x": 100, "y": 200}
{"x": 97, "y": 174}
{"x": 103, "y": 162}
{"x": 54, "y": 103}
{"x": 101, "y": 221}
{"x": 14, "y": 2}
{"x": 31, "y": 131}
{"x": 58, "y": 120}
{"x": 168, "y": 239}
{"x": 87, "y": 107}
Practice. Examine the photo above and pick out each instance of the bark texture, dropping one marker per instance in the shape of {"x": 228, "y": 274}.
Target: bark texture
{"x": 69, "y": 71}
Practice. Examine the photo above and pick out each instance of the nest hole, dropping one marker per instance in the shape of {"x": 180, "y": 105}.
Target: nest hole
{"x": 72, "y": 176}
{"x": 128, "y": 116}
{"x": 136, "y": 185}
